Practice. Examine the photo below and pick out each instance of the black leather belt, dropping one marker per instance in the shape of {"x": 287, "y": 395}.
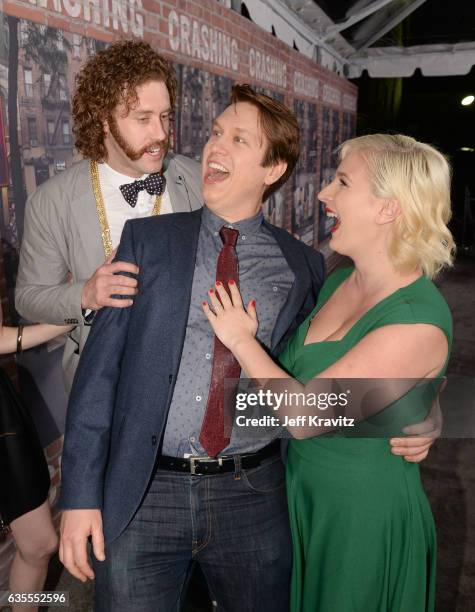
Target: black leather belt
{"x": 201, "y": 466}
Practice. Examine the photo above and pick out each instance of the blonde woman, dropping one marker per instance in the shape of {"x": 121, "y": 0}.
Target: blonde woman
{"x": 24, "y": 476}
{"x": 363, "y": 532}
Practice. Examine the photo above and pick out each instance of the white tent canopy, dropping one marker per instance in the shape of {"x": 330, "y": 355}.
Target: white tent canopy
{"x": 432, "y": 60}
{"x": 304, "y": 24}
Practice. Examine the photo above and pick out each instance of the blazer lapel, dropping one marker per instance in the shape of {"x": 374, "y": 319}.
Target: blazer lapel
{"x": 299, "y": 290}
{"x": 177, "y": 187}
{"x": 183, "y": 260}
{"x": 84, "y": 212}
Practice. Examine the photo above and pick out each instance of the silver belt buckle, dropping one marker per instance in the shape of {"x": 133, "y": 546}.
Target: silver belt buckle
{"x": 194, "y": 460}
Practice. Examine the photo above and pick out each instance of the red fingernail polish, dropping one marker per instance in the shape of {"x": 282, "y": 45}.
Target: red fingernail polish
{"x": 253, "y": 303}
{"x": 204, "y": 303}
{"x": 218, "y": 283}
{"x": 211, "y": 290}
{"x": 232, "y": 282}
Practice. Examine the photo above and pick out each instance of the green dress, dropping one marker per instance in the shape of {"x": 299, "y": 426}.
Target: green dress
{"x": 362, "y": 528}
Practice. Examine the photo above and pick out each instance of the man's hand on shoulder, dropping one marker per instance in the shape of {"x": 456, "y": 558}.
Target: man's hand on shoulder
{"x": 76, "y": 527}
{"x": 106, "y": 281}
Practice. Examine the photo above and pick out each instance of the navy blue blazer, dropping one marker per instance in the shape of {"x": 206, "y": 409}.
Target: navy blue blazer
{"x": 124, "y": 383}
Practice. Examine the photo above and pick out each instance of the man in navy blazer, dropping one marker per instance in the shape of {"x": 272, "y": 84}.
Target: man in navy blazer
{"x": 135, "y": 476}
{"x": 139, "y": 394}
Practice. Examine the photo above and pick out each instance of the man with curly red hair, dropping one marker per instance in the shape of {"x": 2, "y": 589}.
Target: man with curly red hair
{"x": 123, "y": 113}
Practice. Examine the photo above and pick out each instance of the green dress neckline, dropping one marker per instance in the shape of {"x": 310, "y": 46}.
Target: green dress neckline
{"x": 342, "y": 275}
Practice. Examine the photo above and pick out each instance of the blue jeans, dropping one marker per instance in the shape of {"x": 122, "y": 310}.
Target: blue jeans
{"x": 235, "y": 525}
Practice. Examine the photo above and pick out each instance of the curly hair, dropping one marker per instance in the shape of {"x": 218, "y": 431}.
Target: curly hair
{"x": 418, "y": 177}
{"x": 109, "y": 78}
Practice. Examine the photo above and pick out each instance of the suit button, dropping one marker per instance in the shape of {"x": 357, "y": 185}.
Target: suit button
{"x": 154, "y": 440}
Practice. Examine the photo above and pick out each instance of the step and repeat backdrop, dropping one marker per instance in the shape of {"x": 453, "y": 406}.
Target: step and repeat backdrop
{"x": 44, "y": 43}
{"x": 42, "y": 46}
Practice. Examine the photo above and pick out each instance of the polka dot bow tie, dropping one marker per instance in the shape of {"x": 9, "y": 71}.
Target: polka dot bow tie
{"x": 154, "y": 184}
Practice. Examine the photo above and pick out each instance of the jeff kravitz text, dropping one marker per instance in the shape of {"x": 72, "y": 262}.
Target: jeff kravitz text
{"x": 267, "y": 399}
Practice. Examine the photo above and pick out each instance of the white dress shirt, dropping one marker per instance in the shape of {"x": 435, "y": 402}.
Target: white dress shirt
{"x": 118, "y": 211}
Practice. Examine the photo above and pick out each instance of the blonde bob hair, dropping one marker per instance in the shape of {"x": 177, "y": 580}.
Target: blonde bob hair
{"x": 418, "y": 177}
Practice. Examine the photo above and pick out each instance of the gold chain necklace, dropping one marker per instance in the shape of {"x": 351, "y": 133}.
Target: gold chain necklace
{"x": 101, "y": 211}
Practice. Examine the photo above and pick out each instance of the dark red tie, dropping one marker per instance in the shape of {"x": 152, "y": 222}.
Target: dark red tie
{"x": 217, "y": 422}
